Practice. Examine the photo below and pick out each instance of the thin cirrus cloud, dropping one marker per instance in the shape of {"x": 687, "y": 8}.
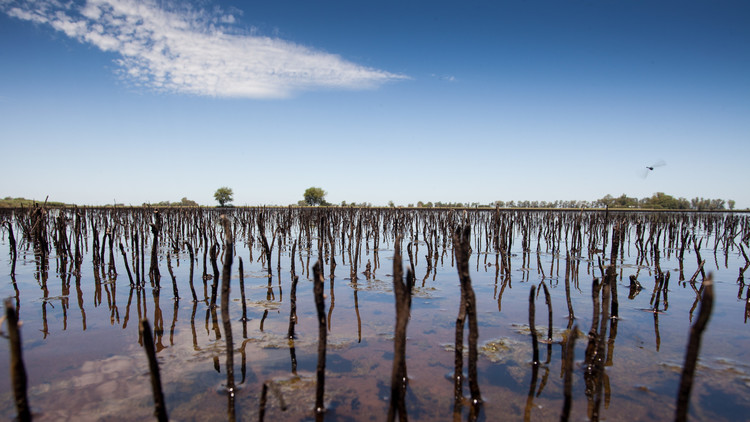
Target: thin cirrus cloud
{"x": 185, "y": 50}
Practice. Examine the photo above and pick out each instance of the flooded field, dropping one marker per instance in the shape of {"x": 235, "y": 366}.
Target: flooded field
{"x": 621, "y": 290}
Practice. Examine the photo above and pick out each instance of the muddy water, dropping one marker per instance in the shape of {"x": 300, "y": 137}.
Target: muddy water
{"x": 85, "y": 361}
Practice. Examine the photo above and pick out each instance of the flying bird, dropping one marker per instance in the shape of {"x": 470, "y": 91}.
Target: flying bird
{"x": 651, "y": 168}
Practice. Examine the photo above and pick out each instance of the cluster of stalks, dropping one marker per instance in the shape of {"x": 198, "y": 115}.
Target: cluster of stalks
{"x": 342, "y": 236}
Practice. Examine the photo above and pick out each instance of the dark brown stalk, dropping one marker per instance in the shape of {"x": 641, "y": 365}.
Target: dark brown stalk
{"x": 693, "y": 348}
{"x": 192, "y": 265}
{"x": 571, "y": 313}
{"x": 13, "y": 252}
{"x": 215, "y": 267}
{"x": 17, "y": 368}
{"x": 697, "y": 246}
{"x": 548, "y": 301}
{"x": 656, "y": 295}
{"x": 331, "y": 242}
{"x": 135, "y": 259}
{"x": 698, "y": 271}
{"x": 112, "y": 270}
{"x": 160, "y": 410}
{"x": 242, "y": 298}
{"x": 293, "y": 309}
{"x": 740, "y": 278}
{"x": 266, "y": 249}
{"x": 262, "y": 406}
{"x": 402, "y": 292}
{"x": 226, "y": 275}
{"x": 598, "y": 362}
{"x": 462, "y": 250}
{"x": 612, "y": 270}
{"x": 153, "y": 271}
{"x": 291, "y": 259}
{"x": 532, "y": 327}
{"x": 127, "y": 267}
{"x": 322, "y": 338}
{"x": 175, "y": 292}
{"x": 593, "y": 333}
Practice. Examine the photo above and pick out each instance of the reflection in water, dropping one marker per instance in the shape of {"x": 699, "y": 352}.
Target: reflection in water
{"x": 661, "y": 284}
{"x": 548, "y": 302}
{"x": 594, "y": 373}
{"x": 333, "y": 301}
{"x": 192, "y": 265}
{"x": 359, "y": 319}
{"x": 79, "y": 294}
{"x": 535, "y": 356}
{"x": 17, "y": 368}
{"x": 243, "y": 357}
{"x": 192, "y": 325}
{"x": 158, "y": 320}
{"x": 160, "y": 410}
{"x": 535, "y": 362}
{"x": 568, "y": 355}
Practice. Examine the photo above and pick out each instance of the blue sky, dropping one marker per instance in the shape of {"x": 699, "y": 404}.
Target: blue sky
{"x": 145, "y": 101}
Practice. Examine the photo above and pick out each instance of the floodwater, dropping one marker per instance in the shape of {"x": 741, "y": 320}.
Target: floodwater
{"x": 85, "y": 360}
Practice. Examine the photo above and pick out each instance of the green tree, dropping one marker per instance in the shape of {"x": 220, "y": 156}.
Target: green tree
{"x": 315, "y": 196}
{"x": 623, "y": 201}
{"x": 223, "y": 196}
{"x": 662, "y": 201}
{"x": 188, "y": 202}
{"x": 731, "y": 203}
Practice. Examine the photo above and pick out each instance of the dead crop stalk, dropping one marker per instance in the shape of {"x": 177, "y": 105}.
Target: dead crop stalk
{"x": 322, "y": 339}
{"x": 462, "y": 249}
{"x": 17, "y": 368}
{"x": 693, "y": 348}
{"x": 402, "y": 292}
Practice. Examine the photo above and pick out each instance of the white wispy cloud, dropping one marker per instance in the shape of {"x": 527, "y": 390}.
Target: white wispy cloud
{"x": 187, "y": 50}
{"x": 447, "y": 78}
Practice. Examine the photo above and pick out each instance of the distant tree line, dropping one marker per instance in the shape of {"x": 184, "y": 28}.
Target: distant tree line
{"x": 355, "y": 204}
{"x": 657, "y": 201}
{"x": 315, "y": 196}
{"x": 661, "y": 200}
{"x": 184, "y": 202}
{"x": 10, "y": 202}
